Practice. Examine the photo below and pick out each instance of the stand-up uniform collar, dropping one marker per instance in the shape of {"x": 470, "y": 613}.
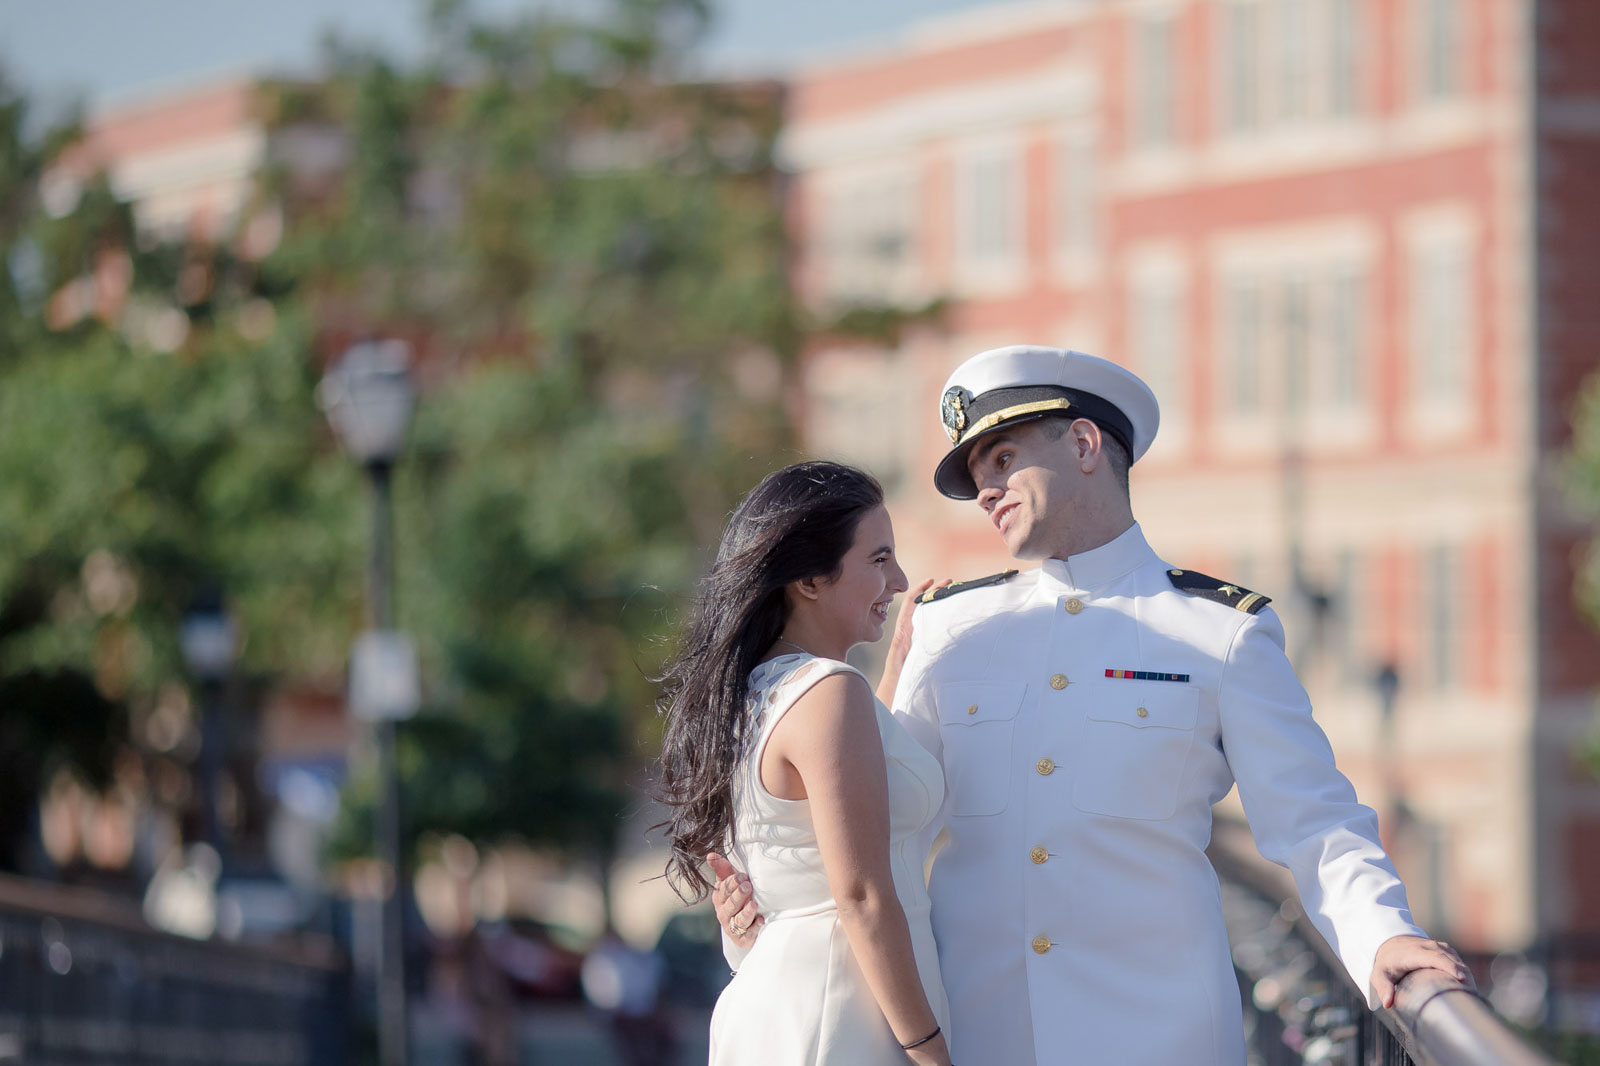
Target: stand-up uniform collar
{"x": 1099, "y": 566}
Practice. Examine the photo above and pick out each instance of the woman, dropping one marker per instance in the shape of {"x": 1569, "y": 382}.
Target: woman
{"x": 776, "y": 750}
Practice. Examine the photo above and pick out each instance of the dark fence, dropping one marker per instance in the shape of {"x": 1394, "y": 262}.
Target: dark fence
{"x": 1302, "y": 1009}
{"x": 85, "y": 982}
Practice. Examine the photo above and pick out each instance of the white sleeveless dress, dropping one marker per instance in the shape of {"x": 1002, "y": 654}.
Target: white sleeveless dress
{"x": 799, "y": 998}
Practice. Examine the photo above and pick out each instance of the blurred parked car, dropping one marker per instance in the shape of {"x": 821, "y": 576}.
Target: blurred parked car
{"x": 543, "y": 961}
{"x": 691, "y": 944}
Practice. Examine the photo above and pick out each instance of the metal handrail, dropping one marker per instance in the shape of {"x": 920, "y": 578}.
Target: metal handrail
{"x": 83, "y": 979}
{"x": 1442, "y": 1022}
{"x": 1435, "y": 1021}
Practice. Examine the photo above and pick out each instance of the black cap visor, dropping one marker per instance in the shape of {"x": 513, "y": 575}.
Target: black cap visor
{"x": 1001, "y": 408}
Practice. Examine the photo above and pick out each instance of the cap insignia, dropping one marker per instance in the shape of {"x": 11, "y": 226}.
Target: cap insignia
{"x": 953, "y": 411}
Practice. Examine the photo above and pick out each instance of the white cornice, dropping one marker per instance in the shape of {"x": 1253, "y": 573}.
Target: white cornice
{"x": 1045, "y": 94}
{"x": 942, "y": 33}
{"x": 232, "y": 156}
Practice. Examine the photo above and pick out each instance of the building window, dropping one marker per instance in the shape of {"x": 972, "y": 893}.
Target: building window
{"x": 1077, "y": 198}
{"x": 1294, "y": 338}
{"x": 1344, "y": 338}
{"x": 1155, "y": 77}
{"x": 1156, "y": 328}
{"x": 1242, "y": 345}
{"x": 1241, "y": 67}
{"x": 1349, "y": 624}
{"x": 1439, "y": 52}
{"x": 868, "y": 239}
{"x": 1294, "y": 335}
{"x": 1444, "y": 608}
{"x": 861, "y": 413}
{"x": 1441, "y": 315}
{"x": 1285, "y": 62}
{"x": 1344, "y": 57}
{"x": 1293, "y": 66}
{"x": 989, "y": 214}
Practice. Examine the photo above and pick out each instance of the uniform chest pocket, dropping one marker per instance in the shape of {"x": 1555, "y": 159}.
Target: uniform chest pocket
{"x": 1134, "y": 749}
{"x": 976, "y": 723}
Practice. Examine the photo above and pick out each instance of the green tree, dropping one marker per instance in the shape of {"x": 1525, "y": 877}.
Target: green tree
{"x": 131, "y": 478}
{"x": 593, "y": 261}
{"x": 588, "y": 257}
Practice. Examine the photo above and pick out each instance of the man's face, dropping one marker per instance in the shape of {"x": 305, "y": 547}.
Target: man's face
{"x": 1028, "y": 486}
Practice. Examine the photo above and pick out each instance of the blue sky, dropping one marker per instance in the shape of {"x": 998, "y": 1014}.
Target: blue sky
{"x": 103, "y": 51}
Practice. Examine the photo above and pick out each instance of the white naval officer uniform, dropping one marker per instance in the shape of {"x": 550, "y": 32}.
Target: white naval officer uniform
{"x": 1077, "y": 916}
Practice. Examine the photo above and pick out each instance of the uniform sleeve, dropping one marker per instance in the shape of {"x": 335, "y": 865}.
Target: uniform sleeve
{"x": 1302, "y": 810}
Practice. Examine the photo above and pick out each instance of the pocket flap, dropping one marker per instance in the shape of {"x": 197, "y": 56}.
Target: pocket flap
{"x": 1147, "y": 705}
{"x": 974, "y": 702}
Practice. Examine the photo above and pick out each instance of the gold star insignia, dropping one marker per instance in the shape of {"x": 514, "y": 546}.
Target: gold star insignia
{"x": 1230, "y": 590}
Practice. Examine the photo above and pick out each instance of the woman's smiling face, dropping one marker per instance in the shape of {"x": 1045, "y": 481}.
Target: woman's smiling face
{"x": 855, "y": 602}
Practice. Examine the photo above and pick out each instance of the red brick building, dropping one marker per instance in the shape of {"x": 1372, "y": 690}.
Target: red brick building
{"x": 1345, "y": 241}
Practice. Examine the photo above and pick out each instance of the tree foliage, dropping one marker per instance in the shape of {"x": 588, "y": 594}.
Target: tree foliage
{"x": 587, "y": 257}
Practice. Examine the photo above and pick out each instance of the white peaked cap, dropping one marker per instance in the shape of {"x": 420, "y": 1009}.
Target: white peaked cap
{"x": 1024, "y": 382}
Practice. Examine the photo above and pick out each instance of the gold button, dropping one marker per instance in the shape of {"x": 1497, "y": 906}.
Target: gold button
{"x": 973, "y": 709}
{"x": 1142, "y": 713}
{"x": 1041, "y": 944}
{"x": 1038, "y": 855}
{"x": 1175, "y": 573}
{"x": 1045, "y": 765}
{"x": 1074, "y": 605}
{"x": 1058, "y": 681}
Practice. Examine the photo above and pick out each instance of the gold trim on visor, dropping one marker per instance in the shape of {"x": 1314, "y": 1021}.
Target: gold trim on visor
{"x": 1060, "y": 403}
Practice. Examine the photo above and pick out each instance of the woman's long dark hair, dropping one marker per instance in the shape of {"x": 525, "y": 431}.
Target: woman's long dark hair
{"x": 798, "y": 523}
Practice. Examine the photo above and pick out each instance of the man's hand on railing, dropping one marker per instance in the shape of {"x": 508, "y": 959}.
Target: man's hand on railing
{"x": 1399, "y": 955}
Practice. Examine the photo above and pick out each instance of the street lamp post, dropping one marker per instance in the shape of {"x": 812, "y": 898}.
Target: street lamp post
{"x": 1386, "y": 683}
{"x": 209, "y": 643}
{"x": 368, "y": 397}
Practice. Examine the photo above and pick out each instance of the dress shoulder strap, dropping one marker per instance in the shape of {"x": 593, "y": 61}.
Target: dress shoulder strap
{"x": 787, "y": 682}
{"x": 775, "y": 686}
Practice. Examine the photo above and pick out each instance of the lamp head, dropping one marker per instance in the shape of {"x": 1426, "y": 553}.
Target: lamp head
{"x": 368, "y": 397}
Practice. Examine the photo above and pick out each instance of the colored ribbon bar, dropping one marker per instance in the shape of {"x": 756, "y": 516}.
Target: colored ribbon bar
{"x": 1146, "y": 675}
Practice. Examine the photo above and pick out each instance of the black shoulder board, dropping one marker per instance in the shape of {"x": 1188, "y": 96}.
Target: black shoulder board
{"x": 962, "y": 586}
{"x": 1218, "y": 591}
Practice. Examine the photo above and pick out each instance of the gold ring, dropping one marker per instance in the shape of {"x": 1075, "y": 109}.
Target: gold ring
{"x": 738, "y": 930}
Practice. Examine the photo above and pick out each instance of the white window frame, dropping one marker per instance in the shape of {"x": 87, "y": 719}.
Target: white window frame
{"x": 1421, "y": 31}
{"x": 861, "y": 409}
{"x": 1441, "y": 405}
{"x": 851, "y": 202}
{"x": 1315, "y": 257}
{"x": 1443, "y": 601}
{"x": 1143, "y": 134}
{"x": 1350, "y": 577}
{"x": 1230, "y": 334}
{"x": 1077, "y": 223}
{"x": 1233, "y": 68}
{"x": 1360, "y": 41}
{"x": 1160, "y": 272}
{"x": 979, "y": 271}
{"x": 1316, "y": 70}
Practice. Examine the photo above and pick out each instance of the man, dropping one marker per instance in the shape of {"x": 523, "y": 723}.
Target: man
{"x": 1088, "y": 714}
